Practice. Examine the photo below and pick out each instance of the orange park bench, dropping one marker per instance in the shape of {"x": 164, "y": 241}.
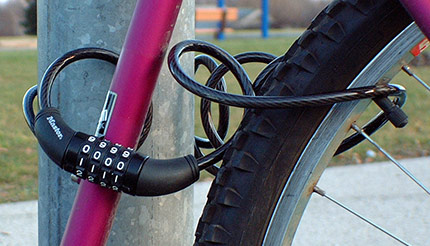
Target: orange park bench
{"x": 219, "y": 15}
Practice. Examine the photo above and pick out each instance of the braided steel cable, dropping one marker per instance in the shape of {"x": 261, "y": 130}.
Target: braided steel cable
{"x": 52, "y": 72}
{"x": 214, "y": 90}
{"x": 250, "y": 101}
{"x": 62, "y": 62}
{"x": 216, "y": 136}
{"x": 27, "y": 106}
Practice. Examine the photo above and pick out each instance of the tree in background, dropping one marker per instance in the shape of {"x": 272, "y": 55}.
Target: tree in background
{"x": 11, "y": 17}
{"x": 30, "y": 22}
{"x": 295, "y": 13}
{"x": 6, "y": 27}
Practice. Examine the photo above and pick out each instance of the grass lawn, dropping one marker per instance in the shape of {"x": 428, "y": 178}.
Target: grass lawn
{"x": 18, "y": 151}
{"x": 18, "y": 154}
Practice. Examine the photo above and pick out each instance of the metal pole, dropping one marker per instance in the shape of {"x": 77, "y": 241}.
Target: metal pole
{"x": 220, "y": 34}
{"x": 265, "y": 22}
{"x": 80, "y": 93}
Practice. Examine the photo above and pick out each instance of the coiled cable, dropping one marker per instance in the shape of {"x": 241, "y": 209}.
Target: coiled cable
{"x": 214, "y": 90}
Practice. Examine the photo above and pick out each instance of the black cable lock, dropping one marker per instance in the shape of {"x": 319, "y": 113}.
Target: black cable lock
{"x": 95, "y": 159}
{"x": 110, "y": 165}
{"x": 119, "y": 168}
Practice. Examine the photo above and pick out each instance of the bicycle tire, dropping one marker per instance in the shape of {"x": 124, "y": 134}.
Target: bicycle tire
{"x": 341, "y": 41}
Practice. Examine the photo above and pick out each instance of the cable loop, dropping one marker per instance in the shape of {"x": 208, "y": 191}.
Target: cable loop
{"x": 51, "y": 73}
{"x": 215, "y": 91}
{"x": 215, "y": 136}
{"x": 248, "y": 100}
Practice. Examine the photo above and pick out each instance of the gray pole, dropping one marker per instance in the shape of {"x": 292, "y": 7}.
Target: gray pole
{"x": 66, "y": 25}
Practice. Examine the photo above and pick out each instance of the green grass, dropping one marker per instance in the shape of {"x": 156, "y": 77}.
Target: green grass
{"x": 275, "y": 46}
{"x": 18, "y": 152}
{"x": 18, "y": 155}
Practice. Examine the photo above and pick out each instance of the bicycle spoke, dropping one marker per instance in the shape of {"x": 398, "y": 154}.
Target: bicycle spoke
{"x": 403, "y": 168}
{"x": 322, "y": 193}
{"x": 408, "y": 70}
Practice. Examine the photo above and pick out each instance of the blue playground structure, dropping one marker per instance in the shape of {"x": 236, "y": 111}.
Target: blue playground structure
{"x": 265, "y": 24}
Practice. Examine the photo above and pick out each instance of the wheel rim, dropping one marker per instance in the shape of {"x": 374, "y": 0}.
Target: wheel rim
{"x": 319, "y": 150}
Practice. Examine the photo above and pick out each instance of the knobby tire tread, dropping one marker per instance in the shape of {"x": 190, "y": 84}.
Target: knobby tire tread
{"x": 341, "y": 40}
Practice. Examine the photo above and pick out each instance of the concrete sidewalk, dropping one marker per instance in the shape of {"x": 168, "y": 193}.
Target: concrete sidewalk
{"x": 379, "y": 191}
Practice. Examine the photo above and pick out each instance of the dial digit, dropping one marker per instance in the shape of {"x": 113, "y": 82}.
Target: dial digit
{"x": 120, "y": 165}
{"x": 113, "y": 150}
{"x": 126, "y": 154}
{"x": 86, "y": 148}
{"x": 97, "y": 155}
{"x": 108, "y": 162}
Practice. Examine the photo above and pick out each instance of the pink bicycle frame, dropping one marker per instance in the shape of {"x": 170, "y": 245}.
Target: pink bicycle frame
{"x": 137, "y": 71}
{"x": 420, "y": 12}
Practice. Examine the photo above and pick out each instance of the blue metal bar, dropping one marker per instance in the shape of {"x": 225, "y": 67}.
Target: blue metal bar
{"x": 220, "y": 34}
{"x": 265, "y": 18}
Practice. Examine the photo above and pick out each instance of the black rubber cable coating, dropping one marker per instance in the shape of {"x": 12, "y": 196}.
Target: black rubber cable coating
{"x": 70, "y": 57}
{"x": 248, "y": 100}
{"x": 217, "y": 94}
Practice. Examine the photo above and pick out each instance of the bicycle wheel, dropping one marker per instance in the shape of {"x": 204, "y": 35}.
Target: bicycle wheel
{"x": 277, "y": 156}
